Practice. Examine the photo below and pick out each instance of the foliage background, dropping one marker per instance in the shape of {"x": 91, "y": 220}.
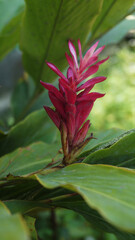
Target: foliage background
{"x": 30, "y": 33}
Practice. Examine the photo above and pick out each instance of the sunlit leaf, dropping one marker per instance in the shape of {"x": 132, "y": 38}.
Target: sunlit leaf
{"x": 47, "y": 27}
{"x": 112, "y": 12}
{"x": 77, "y": 204}
{"x": 12, "y": 227}
{"x": 110, "y": 190}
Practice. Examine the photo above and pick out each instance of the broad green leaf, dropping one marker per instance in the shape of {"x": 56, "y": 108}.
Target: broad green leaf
{"x": 72, "y": 202}
{"x": 10, "y": 24}
{"x": 19, "y": 188}
{"x": 12, "y": 227}
{"x": 121, "y": 153}
{"x": 109, "y": 190}
{"x": 77, "y": 204}
{"x": 23, "y": 206}
{"x": 24, "y": 89}
{"x": 26, "y": 161}
{"x": 47, "y": 27}
{"x": 112, "y": 36}
{"x": 103, "y": 139}
{"x": 26, "y": 189}
{"x": 112, "y": 12}
{"x": 9, "y": 10}
{"x": 35, "y": 127}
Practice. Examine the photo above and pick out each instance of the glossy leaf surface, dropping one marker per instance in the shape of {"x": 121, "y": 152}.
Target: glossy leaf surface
{"x": 109, "y": 190}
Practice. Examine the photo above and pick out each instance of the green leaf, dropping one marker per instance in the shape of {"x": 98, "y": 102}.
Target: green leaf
{"x": 112, "y": 37}
{"x": 112, "y": 12}
{"x": 47, "y": 27}
{"x": 109, "y": 190}
{"x": 35, "y": 127}
{"x": 121, "y": 153}
{"x": 103, "y": 139}
{"x": 12, "y": 227}
{"x": 24, "y": 89}
{"x": 77, "y": 204}
{"x": 23, "y": 206}
{"x": 26, "y": 161}
{"x": 19, "y": 188}
{"x": 10, "y": 24}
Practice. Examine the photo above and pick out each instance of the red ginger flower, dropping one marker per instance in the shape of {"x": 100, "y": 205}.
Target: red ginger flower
{"x": 73, "y": 103}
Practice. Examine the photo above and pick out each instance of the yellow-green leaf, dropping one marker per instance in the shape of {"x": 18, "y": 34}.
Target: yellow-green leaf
{"x": 12, "y": 227}
{"x": 108, "y": 189}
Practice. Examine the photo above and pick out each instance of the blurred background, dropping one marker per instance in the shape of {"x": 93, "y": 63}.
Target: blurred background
{"x": 115, "y": 110}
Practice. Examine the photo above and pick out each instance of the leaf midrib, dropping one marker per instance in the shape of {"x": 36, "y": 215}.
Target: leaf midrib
{"x": 50, "y": 39}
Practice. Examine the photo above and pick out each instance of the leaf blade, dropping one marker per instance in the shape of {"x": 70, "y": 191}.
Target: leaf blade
{"x": 42, "y": 39}
{"x": 103, "y": 187}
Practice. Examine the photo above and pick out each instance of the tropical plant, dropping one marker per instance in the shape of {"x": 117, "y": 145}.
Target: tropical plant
{"x": 91, "y": 175}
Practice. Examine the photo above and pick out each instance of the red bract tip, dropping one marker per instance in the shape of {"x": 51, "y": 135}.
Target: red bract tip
{"x": 73, "y": 53}
{"x": 53, "y": 115}
{"x": 81, "y": 134}
{"x": 56, "y": 70}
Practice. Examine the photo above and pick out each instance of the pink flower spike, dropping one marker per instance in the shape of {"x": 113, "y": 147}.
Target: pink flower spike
{"x": 70, "y": 61}
{"x": 53, "y": 115}
{"x": 90, "y": 52}
{"x": 73, "y": 53}
{"x": 90, "y": 97}
{"x": 87, "y": 90}
{"x": 83, "y": 110}
{"x": 73, "y": 99}
{"x": 91, "y": 82}
{"x": 70, "y": 116}
{"x": 89, "y": 72}
{"x": 57, "y": 104}
{"x": 64, "y": 138}
{"x": 102, "y": 61}
{"x": 70, "y": 95}
{"x": 99, "y": 50}
{"x": 80, "y": 52}
{"x": 91, "y": 61}
{"x": 56, "y": 70}
{"x": 81, "y": 134}
{"x": 53, "y": 89}
{"x": 70, "y": 73}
